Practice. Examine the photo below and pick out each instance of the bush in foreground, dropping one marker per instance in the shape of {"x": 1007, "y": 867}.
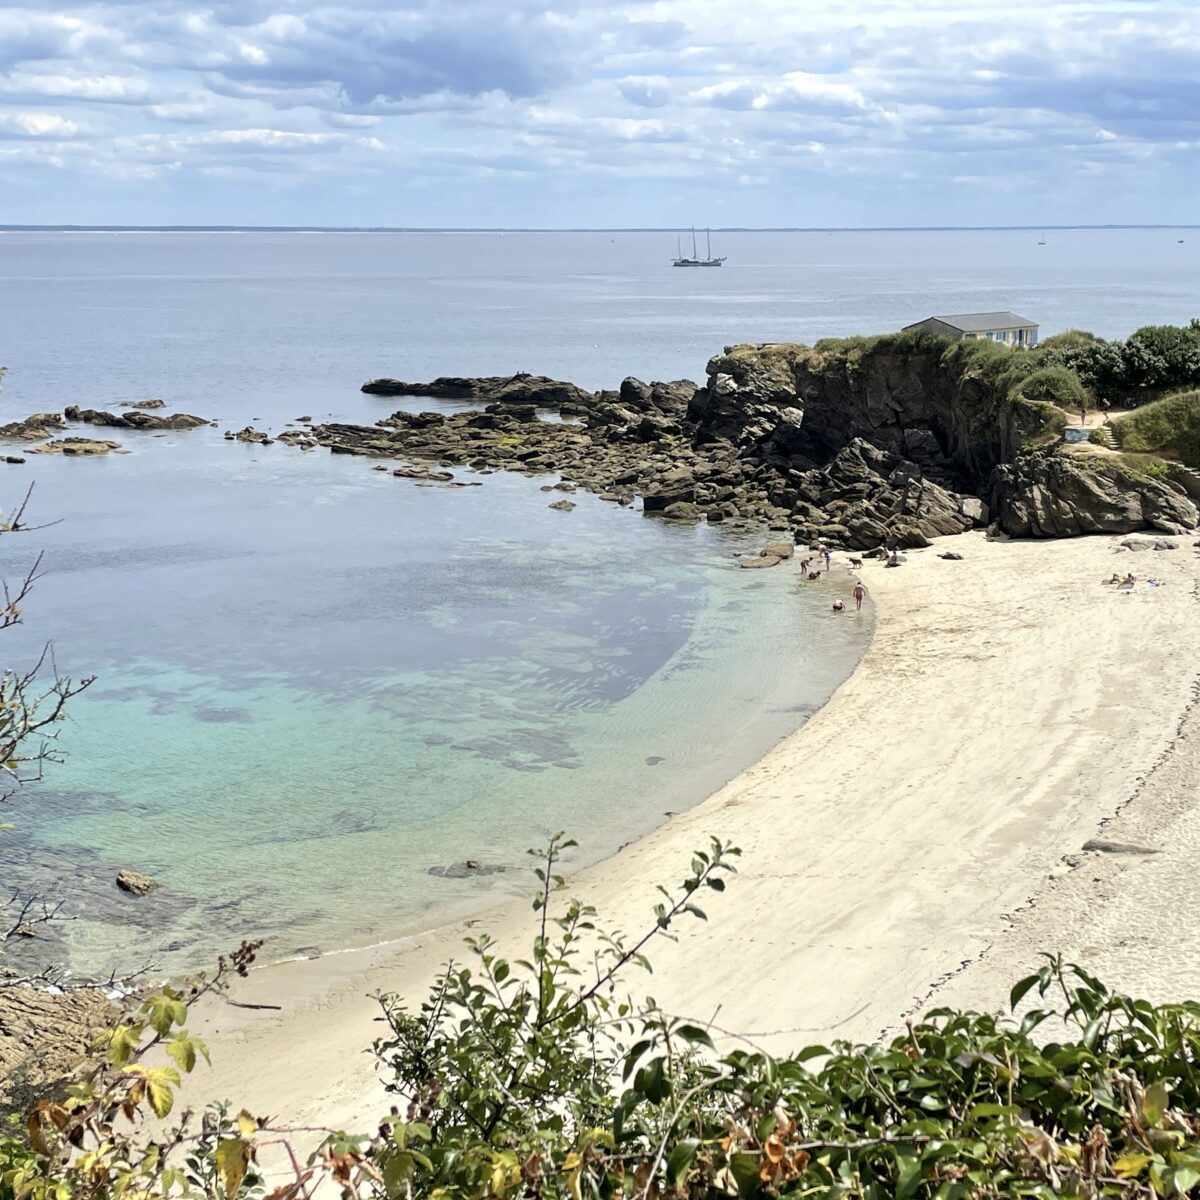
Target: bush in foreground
{"x": 536, "y": 1078}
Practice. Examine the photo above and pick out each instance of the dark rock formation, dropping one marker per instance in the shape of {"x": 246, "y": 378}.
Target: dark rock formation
{"x": 495, "y": 389}
{"x": 1054, "y": 495}
{"x": 249, "y": 434}
{"x": 298, "y": 437}
{"x": 34, "y": 428}
{"x": 428, "y": 474}
{"x": 142, "y": 404}
{"x": 133, "y": 420}
{"x": 74, "y": 446}
{"x": 890, "y": 441}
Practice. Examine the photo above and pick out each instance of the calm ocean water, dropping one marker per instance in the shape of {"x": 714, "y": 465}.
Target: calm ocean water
{"x": 315, "y": 681}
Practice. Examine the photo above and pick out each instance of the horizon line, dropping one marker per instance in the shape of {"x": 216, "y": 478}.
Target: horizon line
{"x": 665, "y": 229}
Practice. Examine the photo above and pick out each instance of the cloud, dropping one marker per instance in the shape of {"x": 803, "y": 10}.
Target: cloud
{"x": 105, "y": 89}
{"x": 576, "y": 110}
{"x": 646, "y": 91}
{"x": 36, "y": 125}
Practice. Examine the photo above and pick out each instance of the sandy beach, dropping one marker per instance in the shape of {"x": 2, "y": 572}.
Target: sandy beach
{"x": 921, "y": 834}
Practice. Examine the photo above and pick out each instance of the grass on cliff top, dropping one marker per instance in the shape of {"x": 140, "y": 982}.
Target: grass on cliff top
{"x": 1019, "y": 388}
{"x": 1133, "y": 467}
{"x": 1169, "y": 427}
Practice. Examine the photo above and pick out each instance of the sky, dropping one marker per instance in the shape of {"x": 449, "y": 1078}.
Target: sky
{"x": 600, "y": 113}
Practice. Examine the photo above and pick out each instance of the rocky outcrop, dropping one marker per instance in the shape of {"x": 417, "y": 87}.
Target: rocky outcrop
{"x": 298, "y": 437}
{"x": 865, "y": 442}
{"x": 1056, "y": 495}
{"x": 154, "y": 403}
{"x": 132, "y": 420}
{"x": 43, "y": 1037}
{"x": 250, "y": 434}
{"x": 521, "y": 388}
{"x": 34, "y": 428}
{"x": 75, "y": 446}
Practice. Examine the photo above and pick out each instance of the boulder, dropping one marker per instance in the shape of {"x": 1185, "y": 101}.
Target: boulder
{"x": 145, "y": 404}
{"x": 133, "y": 420}
{"x": 135, "y": 883}
{"x": 778, "y": 549}
{"x": 427, "y": 474}
{"x": 34, "y": 428}
{"x": 144, "y": 420}
{"x": 562, "y": 505}
{"x": 1048, "y": 494}
{"x": 681, "y": 511}
{"x": 301, "y": 437}
{"x": 521, "y": 388}
{"x": 677, "y": 486}
{"x": 73, "y": 446}
{"x": 249, "y": 434}
{"x": 763, "y": 560}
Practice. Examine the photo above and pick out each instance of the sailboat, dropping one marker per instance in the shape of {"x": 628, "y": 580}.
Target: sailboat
{"x": 1042, "y": 240}
{"x": 681, "y": 260}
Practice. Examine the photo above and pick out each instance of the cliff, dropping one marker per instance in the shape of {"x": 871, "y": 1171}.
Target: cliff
{"x": 865, "y": 441}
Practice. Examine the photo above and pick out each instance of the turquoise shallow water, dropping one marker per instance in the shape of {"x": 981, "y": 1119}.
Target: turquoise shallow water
{"x": 315, "y": 682}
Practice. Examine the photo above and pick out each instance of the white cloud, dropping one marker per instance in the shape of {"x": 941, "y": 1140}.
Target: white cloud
{"x": 36, "y": 125}
{"x": 672, "y": 101}
{"x": 116, "y": 89}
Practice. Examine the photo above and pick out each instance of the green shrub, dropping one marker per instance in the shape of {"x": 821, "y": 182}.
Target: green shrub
{"x": 1169, "y": 426}
{"x": 1070, "y": 339}
{"x": 1163, "y": 356}
{"x": 536, "y": 1078}
{"x": 1055, "y": 385}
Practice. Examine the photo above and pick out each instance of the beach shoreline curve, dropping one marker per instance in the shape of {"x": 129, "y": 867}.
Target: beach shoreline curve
{"x": 885, "y": 842}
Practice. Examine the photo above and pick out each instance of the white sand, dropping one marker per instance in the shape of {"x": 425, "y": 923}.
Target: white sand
{"x": 1007, "y": 705}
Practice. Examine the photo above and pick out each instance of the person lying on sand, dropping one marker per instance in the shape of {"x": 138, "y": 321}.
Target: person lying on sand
{"x": 1113, "y": 578}
{"x": 893, "y": 560}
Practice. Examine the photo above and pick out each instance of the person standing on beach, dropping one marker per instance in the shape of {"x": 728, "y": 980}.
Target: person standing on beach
{"x": 859, "y": 593}
{"x": 828, "y": 555}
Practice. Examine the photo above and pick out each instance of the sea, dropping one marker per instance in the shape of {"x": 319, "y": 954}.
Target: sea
{"x": 320, "y": 689}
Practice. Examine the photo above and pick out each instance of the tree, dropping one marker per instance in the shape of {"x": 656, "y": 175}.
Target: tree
{"x": 33, "y": 704}
{"x": 1056, "y": 385}
{"x": 1163, "y": 356}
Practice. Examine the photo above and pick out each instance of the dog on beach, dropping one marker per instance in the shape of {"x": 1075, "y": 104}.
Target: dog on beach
{"x": 856, "y": 564}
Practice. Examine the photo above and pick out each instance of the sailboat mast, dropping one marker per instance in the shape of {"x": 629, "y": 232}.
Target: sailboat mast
{"x": 693, "y": 241}
{"x": 707, "y": 242}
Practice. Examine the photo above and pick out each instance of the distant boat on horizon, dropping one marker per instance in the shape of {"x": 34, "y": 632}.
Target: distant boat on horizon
{"x": 682, "y": 260}
{"x": 1042, "y": 239}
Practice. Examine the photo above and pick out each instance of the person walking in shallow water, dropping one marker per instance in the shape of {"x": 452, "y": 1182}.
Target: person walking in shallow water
{"x": 859, "y": 593}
